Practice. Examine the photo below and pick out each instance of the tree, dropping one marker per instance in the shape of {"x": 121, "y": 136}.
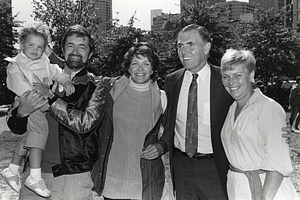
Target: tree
{"x": 59, "y": 15}
{"x": 215, "y": 20}
{"x": 117, "y": 41}
{"x": 7, "y": 40}
{"x": 111, "y": 49}
{"x": 112, "y": 46}
{"x": 166, "y": 47}
{"x": 8, "y": 35}
{"x": 275, "y": 47}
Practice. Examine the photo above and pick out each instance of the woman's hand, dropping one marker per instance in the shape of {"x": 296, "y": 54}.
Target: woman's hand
{"x": 152, "y": 151}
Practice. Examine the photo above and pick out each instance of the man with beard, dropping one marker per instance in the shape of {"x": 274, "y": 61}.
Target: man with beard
{"x": 72, "y": 145}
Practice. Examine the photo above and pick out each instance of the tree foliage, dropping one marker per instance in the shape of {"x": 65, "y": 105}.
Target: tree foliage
{"x": 111, "y": 49}
{"x": 214, "y": 19}
{"x": 112, "y": 46}
{"x": 276, "y": 48}
{"x": 7, "y": 40}
{"x": 8, "y": 34}
{"x": 165, "y": 43}
{"x": 60, "y": 14}
{"x": 117, "y": 41}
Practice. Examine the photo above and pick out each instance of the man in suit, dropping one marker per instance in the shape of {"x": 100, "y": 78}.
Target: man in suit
{"x": 203, "y": 174}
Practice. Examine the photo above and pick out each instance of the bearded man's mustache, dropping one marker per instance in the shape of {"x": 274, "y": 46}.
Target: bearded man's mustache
{"x": 74, "y": 63}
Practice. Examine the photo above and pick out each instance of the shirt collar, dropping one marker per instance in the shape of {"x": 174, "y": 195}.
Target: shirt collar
{"x": 73, "y": 74}
{"x": 255, "y": 96}
{"x": 80, "y": 72}
{"x": 202, "y": 73}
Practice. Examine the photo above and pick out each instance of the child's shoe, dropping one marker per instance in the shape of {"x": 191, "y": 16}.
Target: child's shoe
{"x": 13, "y": 180}
{"x": 38, "y": 187}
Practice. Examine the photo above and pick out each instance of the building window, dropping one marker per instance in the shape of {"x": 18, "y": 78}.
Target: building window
{"x": 298, "y": 6}
{"x": 298, "y": 16}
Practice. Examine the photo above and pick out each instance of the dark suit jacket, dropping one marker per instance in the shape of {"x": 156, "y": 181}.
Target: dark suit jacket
{"x": 220, "y": 101}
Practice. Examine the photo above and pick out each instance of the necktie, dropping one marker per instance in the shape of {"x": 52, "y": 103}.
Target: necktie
{"x": 191, "y": 141}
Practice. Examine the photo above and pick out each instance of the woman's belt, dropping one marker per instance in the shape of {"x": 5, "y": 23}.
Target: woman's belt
{"x": 254, "y": 181}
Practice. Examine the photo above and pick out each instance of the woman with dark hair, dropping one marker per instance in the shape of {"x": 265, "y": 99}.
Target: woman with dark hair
{"x": 137, "y": 110}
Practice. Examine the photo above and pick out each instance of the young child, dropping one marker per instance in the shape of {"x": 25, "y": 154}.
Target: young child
{"x": 29, "y": 66}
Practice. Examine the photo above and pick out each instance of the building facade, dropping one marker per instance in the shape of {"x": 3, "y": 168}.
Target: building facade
{"x": 267, "y": 4}
{"x": 291, "y": 9}
{"x": 239, "y": 10}
{"x": 161, "y": 22}
{"x": 296, "y": 15}
{"x": 288, "y": 9}
{"x": 213, "y": 2}
{"x": 153, "y": 14}
{"x": 103, "y": 9}
{"x": 207, "y": 2}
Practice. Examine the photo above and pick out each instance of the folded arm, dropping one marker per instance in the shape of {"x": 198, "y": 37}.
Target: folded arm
{"x": 82, "y": 121}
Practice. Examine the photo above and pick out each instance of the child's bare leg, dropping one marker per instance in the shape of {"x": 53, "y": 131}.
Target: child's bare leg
{"x": 34, "y": 181}
{"x": 18, "y": 155}
{"x": 35, "y": 159}
{"x": 16, "y": 161}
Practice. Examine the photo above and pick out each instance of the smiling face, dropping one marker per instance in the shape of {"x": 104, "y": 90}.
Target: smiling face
{"x": 76, "y": 51}
{"x": 140, "y": 69}
{"x": 34, "y": 46}
{"x": 238, "y": 83}
{"x": 192, "y": 50}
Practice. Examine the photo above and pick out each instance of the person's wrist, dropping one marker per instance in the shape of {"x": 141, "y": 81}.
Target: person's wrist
{"x": 52, "y": 99}
{"x": 51, "y": 94}
{"x": 159, "y": 149}
{"x": 48, "y": 51}
{"x": 20, "y": 114}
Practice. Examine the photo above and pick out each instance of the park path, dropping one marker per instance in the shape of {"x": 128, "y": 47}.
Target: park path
{"x": 7, "y": 143}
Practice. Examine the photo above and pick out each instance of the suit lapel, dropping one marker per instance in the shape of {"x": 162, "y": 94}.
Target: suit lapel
{"x": 176, "y": 85}
{"x": 215, "y": 94}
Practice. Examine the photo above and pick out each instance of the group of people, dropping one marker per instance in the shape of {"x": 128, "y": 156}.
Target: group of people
{"x": 111, "y": 135}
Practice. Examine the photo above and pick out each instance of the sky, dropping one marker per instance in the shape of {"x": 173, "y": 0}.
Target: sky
{"x": 121, "y": 10}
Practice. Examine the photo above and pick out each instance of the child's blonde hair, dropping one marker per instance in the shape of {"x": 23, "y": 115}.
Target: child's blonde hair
{"x": 38, "y": 29}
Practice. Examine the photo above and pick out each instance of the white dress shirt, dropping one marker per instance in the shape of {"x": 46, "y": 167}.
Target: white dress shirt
{"x": 204, "y": 131}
